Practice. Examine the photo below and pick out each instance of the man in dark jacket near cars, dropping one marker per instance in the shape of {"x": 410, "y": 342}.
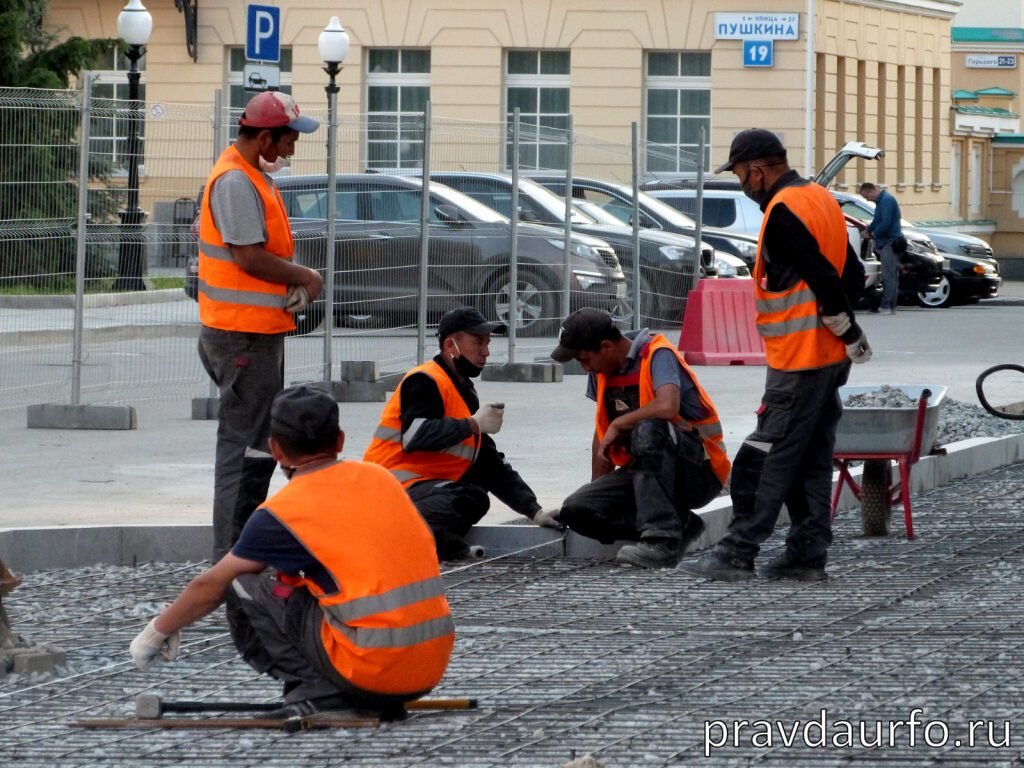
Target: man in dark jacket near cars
{"x": 803, "y": 314}
{"x": 435, "y": 437}
{"x": 887, "y": 231}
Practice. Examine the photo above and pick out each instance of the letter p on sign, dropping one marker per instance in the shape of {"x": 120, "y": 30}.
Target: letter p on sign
{"x": 263, "y": 33}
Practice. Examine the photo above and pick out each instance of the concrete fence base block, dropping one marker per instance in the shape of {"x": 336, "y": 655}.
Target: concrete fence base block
{"x": 56, "y": 416}
{"x": 359, "y": 391}
{"x": 359, "y": 370}
{"x": 537, "y": 373}
{"x": 205, "y": 408}
{"x": 571, "y": 368}
{"x": 31, "y": 659}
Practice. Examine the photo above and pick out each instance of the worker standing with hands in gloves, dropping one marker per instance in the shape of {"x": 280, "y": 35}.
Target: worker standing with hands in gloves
{"x": 355, "y": 616}
{"x": 435, "y": 437}
{"x": 803, "y": 313}
{"x": 249, "y": 289}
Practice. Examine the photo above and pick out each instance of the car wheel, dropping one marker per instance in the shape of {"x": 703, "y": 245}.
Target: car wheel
{"x": 308, "y": 320}
{"x": 537, "y": 304}
{"x": 940, "y": 296}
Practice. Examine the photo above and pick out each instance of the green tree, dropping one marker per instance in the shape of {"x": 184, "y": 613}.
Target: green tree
{"x": 38, "y": 150}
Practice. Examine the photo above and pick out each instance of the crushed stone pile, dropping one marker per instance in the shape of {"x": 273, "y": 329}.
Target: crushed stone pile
{"x": 957, "y": 420}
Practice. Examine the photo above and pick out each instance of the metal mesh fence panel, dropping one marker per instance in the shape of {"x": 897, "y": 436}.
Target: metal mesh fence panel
{"x": 140, "y": 320}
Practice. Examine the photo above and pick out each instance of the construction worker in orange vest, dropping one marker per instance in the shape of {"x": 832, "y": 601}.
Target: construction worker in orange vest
{"x": 435, "y": 437}
{"x": 249, "y": 290}
{"x": 804, "y": 314}
{"x": 657, "y": 452}
{"x": 355, "y": 616}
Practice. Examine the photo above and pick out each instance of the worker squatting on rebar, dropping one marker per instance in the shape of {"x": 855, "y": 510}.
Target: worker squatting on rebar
{"x": 344, "y": 623}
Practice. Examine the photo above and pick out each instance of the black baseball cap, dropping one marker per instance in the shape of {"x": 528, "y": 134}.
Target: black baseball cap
{"x": 304, "y": 413}
{"x": 466, "y": 319}
{"x": 584, "y": 329}
{"x": 752, "y": 144}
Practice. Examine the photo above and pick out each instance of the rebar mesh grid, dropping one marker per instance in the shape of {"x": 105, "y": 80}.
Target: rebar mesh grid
{"x": 574, "y": 657}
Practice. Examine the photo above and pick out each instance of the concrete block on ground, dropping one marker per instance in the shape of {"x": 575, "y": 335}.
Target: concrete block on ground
{"x": 36, "y": 549}
{"x": 538, "y": 373}
{"x": 359, "y": 391}
{"x": 503, "y": 539}
{"x": 205, "y": 408}
{"x": 359, "y": 370}
{"x": 571, "y": 368}
{"x": 57, "y": 416}
{"x": 36, "y": 658}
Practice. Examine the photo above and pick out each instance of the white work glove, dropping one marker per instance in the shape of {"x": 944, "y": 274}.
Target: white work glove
{"x": 548, "y": 518}
{"x": 490, "y": 417}
{"x": 860, "y": 350}
{"x": 296, "y": 299}
{"x": 150, "y": 643}
{"x": 838, "y": 324}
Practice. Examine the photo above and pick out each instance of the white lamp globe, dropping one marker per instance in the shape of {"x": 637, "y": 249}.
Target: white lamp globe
{"x": 333, "y": 42}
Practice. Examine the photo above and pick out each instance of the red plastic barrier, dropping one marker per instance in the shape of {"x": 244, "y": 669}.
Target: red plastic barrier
{"x": 718, "y": 324}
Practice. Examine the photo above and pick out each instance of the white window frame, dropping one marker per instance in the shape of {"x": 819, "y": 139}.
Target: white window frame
{"x": 684, "y": 153}
{"x": 528, "y": 135}
{"x": 402, "y": 118}
{"x": 234, "y": 78}
{"x": 118, "y": 78}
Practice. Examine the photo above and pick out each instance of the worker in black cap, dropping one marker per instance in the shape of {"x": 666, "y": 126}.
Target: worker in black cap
{"x": 657, "y": 453}
{"x": 805, "y": 278}
{"x": 435, "y": 437}
{"x": 342, "y": 537}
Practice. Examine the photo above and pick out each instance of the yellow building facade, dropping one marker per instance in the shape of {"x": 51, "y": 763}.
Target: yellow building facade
{"x": 849, "y": 70}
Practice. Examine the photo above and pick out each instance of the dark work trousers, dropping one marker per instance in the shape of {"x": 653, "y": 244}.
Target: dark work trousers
{"x": 450, "y": 508}
{"x": 248, "y": 369}
{"x": 276, "y": 629}
{"x": 668, "y": 476}
{"x": 890, "y": 277}
{"x": 788, "y": 460}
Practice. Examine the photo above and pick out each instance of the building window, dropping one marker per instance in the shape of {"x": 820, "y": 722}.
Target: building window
{"x": 537, "y": 82}
{"x": 238, "y": 97}
{"x": 397, "y": 92}
{"x": 678, "y": 106}
{"x": 109, "y": 126}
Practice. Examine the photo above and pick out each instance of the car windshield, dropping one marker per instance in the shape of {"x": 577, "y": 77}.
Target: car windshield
{"x": 660, "y": 209}
{"x": 863, "y": 209}
{"x": 475, "y": 211}
{"x": 551, "y": 202}
{"x": 594, "y": 212}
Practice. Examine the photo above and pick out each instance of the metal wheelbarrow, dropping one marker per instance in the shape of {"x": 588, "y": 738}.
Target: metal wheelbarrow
{"x": 878, "y": 436}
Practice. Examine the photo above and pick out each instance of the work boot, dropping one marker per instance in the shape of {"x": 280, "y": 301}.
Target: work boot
{"x": 651, "y": 553}
{"x": 714, "y": 565}
{"x": 785, "y": 566}
{"x": 691, "y": 532}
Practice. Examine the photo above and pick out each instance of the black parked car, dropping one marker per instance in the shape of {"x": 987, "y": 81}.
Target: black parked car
{"x": 617, "y": 199}
{"x": 669, "y": 263}
{"x": 965, "y": 280}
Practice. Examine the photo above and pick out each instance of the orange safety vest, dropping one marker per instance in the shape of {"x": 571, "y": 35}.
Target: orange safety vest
{"x": 709, "y": 428}
{"x": 229, "y": 298}
{"x": 413, "y": 466}
{"x": 794, "y": 337}
{"x": 388, "y": 628}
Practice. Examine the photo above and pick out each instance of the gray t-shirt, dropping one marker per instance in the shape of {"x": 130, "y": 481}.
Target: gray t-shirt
{"x": 665, "y": 369}
{"x": 237, "y": 209}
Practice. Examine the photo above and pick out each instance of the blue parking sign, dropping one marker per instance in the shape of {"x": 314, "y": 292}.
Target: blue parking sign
{"x": 263, "y": 33}
{"x": 758, "y": 53}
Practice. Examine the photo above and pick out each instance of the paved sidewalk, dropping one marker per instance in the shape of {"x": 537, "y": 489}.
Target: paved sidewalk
{"x": 637, "y": 668}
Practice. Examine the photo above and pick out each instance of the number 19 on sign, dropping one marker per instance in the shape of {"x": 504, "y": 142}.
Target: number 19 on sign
{"x": 758, "y": 53}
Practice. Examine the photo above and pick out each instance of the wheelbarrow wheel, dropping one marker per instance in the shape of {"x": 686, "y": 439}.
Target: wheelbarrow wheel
{"x": 876, "y": 497}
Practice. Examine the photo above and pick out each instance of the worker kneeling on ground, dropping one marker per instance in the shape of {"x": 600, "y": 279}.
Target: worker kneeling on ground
{"x": 356, "y": 615}
{"x": 658, "y": 452}
{"x": 435, "y": 437}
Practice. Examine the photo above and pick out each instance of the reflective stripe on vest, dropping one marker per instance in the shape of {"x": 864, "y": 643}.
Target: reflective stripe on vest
{"x": 794, "y": 337}
{"x": 388, "y": 627}
{"x": 392, "y": 637}
{"x": 230, "y": 299}
{"x": 410, "y": 467}
{"x": 709, "y": 428}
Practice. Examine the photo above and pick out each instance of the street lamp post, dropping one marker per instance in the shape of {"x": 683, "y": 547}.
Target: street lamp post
{"x": 333, "y": 47}
{"x": 134, "y": 26}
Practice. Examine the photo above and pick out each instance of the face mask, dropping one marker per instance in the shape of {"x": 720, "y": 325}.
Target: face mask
{"x": 759, "y": 196}
{"x": 463, "y": 367}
